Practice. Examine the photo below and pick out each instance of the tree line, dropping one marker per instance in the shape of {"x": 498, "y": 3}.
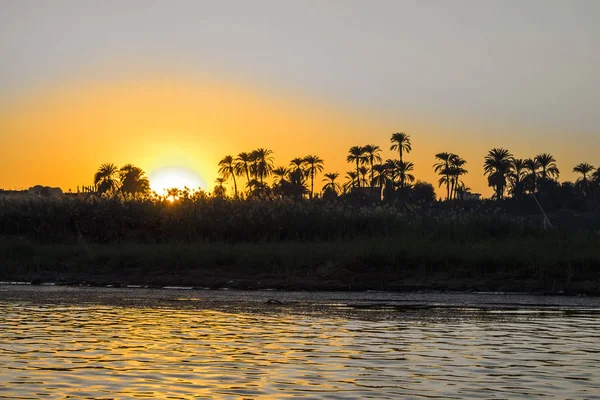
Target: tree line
{"x": 296, "y": 180}
{"x": 128, "y": 180}
{"x": 508, "y": 174}
{"x": 393, "y": 178}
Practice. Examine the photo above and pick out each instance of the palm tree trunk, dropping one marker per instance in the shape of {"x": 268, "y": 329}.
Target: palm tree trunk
{"x": 234, "y": 184}
{"x": 400, "y": 150}
{"x": 247, "y": 172}
{"x": 312, "y": 183}
{"x": 371, "y": 183}
{"x": 357, "y": 174}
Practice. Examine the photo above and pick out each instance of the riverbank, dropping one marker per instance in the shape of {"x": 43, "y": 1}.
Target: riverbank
{"x": 549, "y": 263}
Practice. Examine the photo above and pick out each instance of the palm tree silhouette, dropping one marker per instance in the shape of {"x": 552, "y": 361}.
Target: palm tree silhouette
{"x": 363, "y": 171}
{"x": 313, "y": 165}
{"x": 219, "y": 190}
{"x": 379, "y": 176}
{"x": 401, "y": 142}
{"x": 391, "y": 170}
{"x": 530, "y": 180}
{"x": 548, "y": 165}
{"x": 105, "y": 178}
{"x": 584, "y": 169}
{"x": 133, "y": 180}
{"x": 298, "y": 173}
{"x": 352, "y": 177}
{"x": 595, "y": 181}
{"x": 517, "y": 176}
{"x": 404, "y": 168}
{"x": 331, "y": 184}
{"x": 258, "y": 190}
{"x": 227, "y": 169}
{"x": 297, "y": 164}
{"x": 356, "y": 154}
{"x": 279, "y": 174}
{"x": 456, "y": 170}
{"x": 242, "y": 165}
{"x": 497, "y": 165}
{"x": 443, "y": 168}
{"x": 262, "y": 165}
{"x": 372, "y": 154}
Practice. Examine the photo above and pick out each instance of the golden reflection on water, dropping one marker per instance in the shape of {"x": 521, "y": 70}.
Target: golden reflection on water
{"x": 69, "y": 351}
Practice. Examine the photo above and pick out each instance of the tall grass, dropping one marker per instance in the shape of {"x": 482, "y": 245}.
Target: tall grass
{"x": 209, "y": 241}
{"x": 105, "y": 220}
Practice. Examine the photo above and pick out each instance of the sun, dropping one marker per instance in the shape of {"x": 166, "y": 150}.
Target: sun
{"x": 174, "y": 177}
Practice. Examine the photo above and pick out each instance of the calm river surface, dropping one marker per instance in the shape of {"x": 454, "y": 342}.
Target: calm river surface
{"x": 77, "y": 342}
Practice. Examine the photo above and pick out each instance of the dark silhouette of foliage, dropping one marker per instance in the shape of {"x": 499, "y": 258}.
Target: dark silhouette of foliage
{"x": 352, "y": 177}
{"x": 423, "y": 193}
{"x": 219, "y": 190}
{"x": 258, "y": 190}
{"x": 583, "y": 182}
{"x": 372, "y": 155}
{"x": 314, "y": 164}
{"x": 242, "y": 165}
{"x": 331, "y": 185}
{"x": 547, "y": 175}
{"x": 401, "y": 142}
{"x": 363, "y": 171}
{"x": 279, "y": 174}
{"x": 133, "y": 180}
{"x": 404, "y": 169}
{"x": 297, "y": 164}
{"x": 442, "y": 167}
{"x": 497, "y": 166}
{"x": 291, "y": 183}
{"x": 516, "y": 178}
{"x": 106, "y": 178}
{"x": 357, "y": 155}
{"x": 455, "y": 171}
{"x": 227, "y": 169}
{"x": 262, "y": 163}
{"x": 530, "y": 180}
{"x": 548, "y": 165}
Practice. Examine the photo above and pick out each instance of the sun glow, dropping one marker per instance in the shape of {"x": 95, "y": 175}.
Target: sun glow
{"x": 169, "y": 178}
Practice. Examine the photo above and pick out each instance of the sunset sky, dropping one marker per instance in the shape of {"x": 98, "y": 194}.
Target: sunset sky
{"x": 176, "y": 85}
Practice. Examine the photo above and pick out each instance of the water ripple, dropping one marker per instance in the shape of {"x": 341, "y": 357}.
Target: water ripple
{"x": 58, "y": 351}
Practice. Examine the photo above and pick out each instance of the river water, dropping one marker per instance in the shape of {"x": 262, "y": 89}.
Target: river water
{"x": 77, "y": 342}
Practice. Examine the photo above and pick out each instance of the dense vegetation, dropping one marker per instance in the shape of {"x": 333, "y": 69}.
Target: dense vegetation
{"x": 391, "y": 179}
{"x": 548, "y": 263}
{"x": 197, "y": 216}
{"x": 380, "y": 229}
{"x": 321, "y": 244}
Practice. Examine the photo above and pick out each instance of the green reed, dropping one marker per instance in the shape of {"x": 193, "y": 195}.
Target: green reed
{"x": 104, "y": 220}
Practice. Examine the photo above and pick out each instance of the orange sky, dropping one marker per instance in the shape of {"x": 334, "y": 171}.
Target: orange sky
{"x": 166, "y": 84}
{"x": 59, "y": 136}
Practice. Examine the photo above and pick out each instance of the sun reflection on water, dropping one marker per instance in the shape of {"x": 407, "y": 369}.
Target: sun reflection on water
{"x": 57, "y": 351}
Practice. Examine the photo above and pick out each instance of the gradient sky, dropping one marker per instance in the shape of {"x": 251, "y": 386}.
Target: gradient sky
{"x": 182, "y": 83}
